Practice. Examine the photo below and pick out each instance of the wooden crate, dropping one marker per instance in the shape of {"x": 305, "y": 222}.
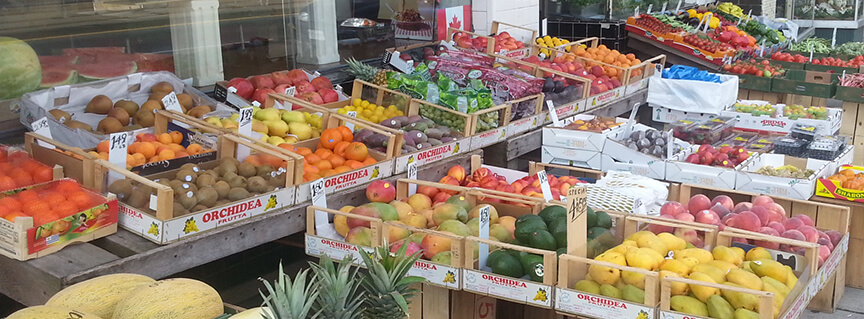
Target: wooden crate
{"x": 158, "y": 221}
{"x": 362, "y": 90}
{"x": 75, "y": 163}
{"x": 22, "y": 240}
{"x": 490, "y": 45}
{"x": 325, "y": 241}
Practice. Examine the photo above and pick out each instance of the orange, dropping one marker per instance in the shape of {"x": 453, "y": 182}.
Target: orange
{"x": 327, "y": 173}
{"x": 340, "y": 148}
{"x": 7, "y": 183}
{"x": 288, "y": 147}
{"x": 81, "y": 199}
{"x": 310, "y": 169}
{"x": 44, "y": 217}
{"x": 11, "y": 203}
{"x": 11, "y": 216}
{"x": 130, "y": 160}
{"x": 6, "y": 167}
{"x": 4, "y": 211}
{"x": 194, "y": 149}
{"x": 356, "y": 151}
{"x": 66, "y": 209}
{"x": 253, "y": 159}
{"x": 146, "y": 149}
{"x": 369, "y": 161}
{"x": 347, "y": 135}
{"x": 341, "y": 169}
{"x": 102, "y": 147}
{"x": 176, "y": 137}
{"x": 43, "y": 174}
{"x": 310, "y": 177}
{"x": 177, "y": 148}
{"x": 323, "y": 165}
{"x": 336, "y": 160}
{"x": 29, "y": 164}
{"x": 66, "y": 186}
{"x": 154, "y": 159}
{"x": 22, "y": 178}
{"x": 165, "y": 138}
{"x": 271, "y": 160}
{"x": 303, "y": 151}
{"x": 181, "y": 154}
{"x": 354, "y": 164}
{"x": 323, "y": 152}
{"x": 35, "y": 207}
{"x": 330, "y": 137}
{"x": 133, "y": 148}
{"x": 167, "y": 154}
{"x": 312, "y": 158}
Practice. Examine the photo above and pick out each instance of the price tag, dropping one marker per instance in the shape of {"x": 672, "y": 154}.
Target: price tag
{"x": 412, "y": 174}
{"x": 636, "y": 12}
{"x": 244, "y": 127}
{"x": 40, "y": 127}
{"x": 483, "y": 249}
{"x": 544, "y": 185}
{"x": 664, "y": 6}
{"x": 171, "y": 103}
{"x": 650, "y": 6}
{"x": 678, "y": 7}
{"x": 290, "y": 90}
{"x": 552, "y": 114}
{"x": 811, "y": 53}
{"x": 319, "y": 198}
{"x": 117, "y": 145}
{"x": 256, "y": 104}
{"x": 401, "y": 65}
{"x": 834, "y": 38}
{"x": 350, "y": 125}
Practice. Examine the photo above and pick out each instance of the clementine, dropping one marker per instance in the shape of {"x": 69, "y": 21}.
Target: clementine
{"x": 194, "y": 149}
{"x": 81, "y": 199}
{"x": 336, "y": 160}
{"x": 323, "y": 153}
{"x": 7, "y": 183}
{"x": 330, "y": 137}
{"x": 356, "y": 151}
{"x": 43, "y": 174}
{"x": 340, "y": 148}
{"x": 176, "y": 137}
{"x": 354, "y": 164}
{"x": 67, "y": 186}
{"x": 347, "y": 135}
{"x": 11, "y": 203}
{"x": 35, "y": 206}
{"x": 102, "y": 147}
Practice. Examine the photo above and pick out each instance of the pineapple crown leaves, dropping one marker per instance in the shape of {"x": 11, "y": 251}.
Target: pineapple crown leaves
{"x": 338, "y": 296}
{"x": 387, "y": 275}
{"x": 290, "y": 299}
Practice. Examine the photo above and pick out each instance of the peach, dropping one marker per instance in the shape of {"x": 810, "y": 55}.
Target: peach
{"x": 825, "y": 242}
{"x": 451, "y": 181}
{"x": 777, "y": 226}
{"x": 724, "y": 200}
{"x": 654, "y": 228}
{"x": 805, "y": 219}
{"x": 763, "y": 214}
{"x": 698, "y": 203}
{"x": 742, "y": 206}
{"x": 746, "y": 221}
{"x": 381, "y": 191}
{"x": 777, "y": 208}
{"x": 824, "y": 252}
{"x": 707, "y": 217}
{"x": 762, "y": 200}
{"x": 768, "y": 244}
{"x": 835, "y": 236}
{"x": 810, "y": 233}
{"x": 794, "y": 235}
{"x": 685, "y": 217}
{"x": 427, "y": 190}
{"x": 457, "y": 172}
{"x": 793, "y": 223}
{"x": 672, "y": 208}
{"x": 480, "y": 173}
{"x": 725, "y": 219}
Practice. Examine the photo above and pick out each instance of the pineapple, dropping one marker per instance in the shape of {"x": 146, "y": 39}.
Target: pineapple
{"x": 367, "y": 72}
{"x": 388, "y": 289}
{"x": 289, "y": 299}
{"x": 338, "y": 295}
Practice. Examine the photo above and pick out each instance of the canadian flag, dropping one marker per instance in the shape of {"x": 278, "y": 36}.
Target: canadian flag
{"x": 454, "y": 17}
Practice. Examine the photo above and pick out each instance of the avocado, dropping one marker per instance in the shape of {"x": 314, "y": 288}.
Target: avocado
{"x": 533, "y": 266}
{"x": 552, "y": 213}
{"x": 592, "y": 218}
{"x": 495, "y": 254}
{"x": 506, "y": 265}
{"x": 526, "y": 225}
{"x": 593, "y": 232}
{"x": 561, "y": 251}
{"x": 560, "y": 239}
{"x": 542, "y": 239}
{"x": 603, "y": 220}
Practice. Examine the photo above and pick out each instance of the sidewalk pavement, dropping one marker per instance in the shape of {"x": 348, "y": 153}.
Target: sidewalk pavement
{"x": 851, "y": 307}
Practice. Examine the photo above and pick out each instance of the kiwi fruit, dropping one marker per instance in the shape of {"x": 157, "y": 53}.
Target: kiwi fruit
{"x": 205, "y": 180}
{"x": 144, "y": 118}
{"x": 246, "y": 170}
{"x": 264, "y": 170}
{"x": 237, "y": 193}
{"x": 73, "y": 124}
{"x": 188, "y": 200}
{"x": 140, "y": 196}
{"x": 226, "y": 167}
{"x": 157, "y": 96}
{"x": 209, "y": 172}
{"x": 150, "y": 106}
{"x": 179, "y": 209}
{"x": 187, "y": 176}
{"x": 185, "y": 101}
{"x": 163, "y": 182}
{"x": 162, "y": 87}
{"x": 181, "y": 188}
{"x": 191, "y": 167}
{"x": 222, "y": 202}
{"x": 60, "y": 115}
{"x": 256, "y": 184}
{"x": 99, "y": 104}
{"x": 228, "y": 176}
{"x": 207, "y": 196}
{"x": 237, "y": 181}
{"x": 189, "y": 187}
{"x": 122, "y": 188}
{"x": 198, "y": 111}
{"x": 129, "y": 128}
{"x": 109, "y": 125}
{"x": 199, "y": 207}
{"x": 119, "y": 114}
{"x": 276, "y": 181}
{"x": 222, "y": 188}
{"x": 232, "y": 161}
{"x": 129, "y": 106}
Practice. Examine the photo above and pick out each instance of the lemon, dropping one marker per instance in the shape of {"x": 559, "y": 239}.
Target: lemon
{"x": 547, "y": 38}
{"x": 364, "y": 103}
{"x": 357, "y": 102}
{"x": 342, "y": 111}
{"x": 539, "y": 40}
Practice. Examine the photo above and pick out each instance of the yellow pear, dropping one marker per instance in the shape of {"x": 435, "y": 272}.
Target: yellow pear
{"x": 673, "y": 242}
{"x": 702, "y": 292}
{"x": 727, "y": 254}
{"x": 676, "y": 266}
{"x": 229, "y": 123}
{"x": 744, "y": 278}
{"x": 619, "y": 249}
{"x": 689, "y": 261}
{"x": 757, "y": 253}
{"x": 215, "y": 121}
{"x": 277, "y": 128}
{"x": 260, "y": 127}
{"x": 770, "y": 268}
{"x": 715, "y": 273}
{"x": 638, "y": 258}
{"x": 678, "y": 288}
{"x": 302, "y": 130}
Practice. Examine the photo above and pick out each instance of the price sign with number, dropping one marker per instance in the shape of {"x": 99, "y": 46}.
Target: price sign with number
{"x": 319, "y": 198}
{"x": 483, "y": 249}
{"x": 544, "y": 185}
{"x": 117, "y": 145}
{"x": 41, "y": 127}
{"x": 350, "y": 125}
{"x": 244, "y": 125}
{"x": 171, "y": 103}
{"x": 552, "y": 114}
{"x": 412, "y": 174}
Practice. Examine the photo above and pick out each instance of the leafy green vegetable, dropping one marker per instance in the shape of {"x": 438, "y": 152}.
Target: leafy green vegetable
{"x": 850, "y": 48}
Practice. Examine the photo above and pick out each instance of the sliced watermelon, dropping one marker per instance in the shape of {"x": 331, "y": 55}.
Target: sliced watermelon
{"x": 151, "y": 62}
{"x": 52, "y": 60}
{"x": 58, "y": 75}
{"x": 86, "y": 51}
{"x": 100, "y": 71}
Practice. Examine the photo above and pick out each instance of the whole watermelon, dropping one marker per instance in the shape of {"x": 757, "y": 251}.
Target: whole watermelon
{"x": 20, "y": 71}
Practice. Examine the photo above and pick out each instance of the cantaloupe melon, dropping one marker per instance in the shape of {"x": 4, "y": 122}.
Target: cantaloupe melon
{"x": 99, "y": 295}
{"x": 254, "y": 313}
{"x": 177, "y": 298}
{"x": 51, "y": 312}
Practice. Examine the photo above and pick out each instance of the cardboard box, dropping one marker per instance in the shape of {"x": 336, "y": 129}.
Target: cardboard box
{"x": 667, "y": 115}
{"x": 572, "y": 157}
{"x": 711, "y": 176}
{"x": 619, "y": 157}
{"x": 558, "y": 136}
{"x": 604, "y": 98}
{"x": 809, "y": 83}
{"x": 797, "y": 188}
{"x": 783, "y": 124}
{"x": 826, "y": 187}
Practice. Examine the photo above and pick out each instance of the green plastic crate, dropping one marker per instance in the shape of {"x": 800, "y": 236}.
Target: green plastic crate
{"x": 807, "y": 83}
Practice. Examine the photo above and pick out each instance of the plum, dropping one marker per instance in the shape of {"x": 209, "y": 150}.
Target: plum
{"x": 720, "y": 210}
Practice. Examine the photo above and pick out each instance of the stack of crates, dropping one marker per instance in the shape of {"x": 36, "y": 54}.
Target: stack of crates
{"x": 611, "y": 33}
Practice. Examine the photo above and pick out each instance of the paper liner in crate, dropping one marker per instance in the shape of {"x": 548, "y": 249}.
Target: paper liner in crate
{"x": 605, "y": 198}
{"x": 651, "y": 193}
{"x": 74, "y": 98}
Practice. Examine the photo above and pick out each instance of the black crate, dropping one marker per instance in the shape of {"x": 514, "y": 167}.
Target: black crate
{"x": 572, "y": 30}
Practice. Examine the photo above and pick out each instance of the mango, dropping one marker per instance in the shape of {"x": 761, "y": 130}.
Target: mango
{"x": 621, "y": 249}
{"x": 723, "y": 265}
{"x": 719, "y": 308}
{"x": 757, "y": 253}
{"x": 588, "y": 286}
{"x": 715, "y": 273}
{"x": 638, "y": 235}
{"x": 779, "y": 295}
{"x": 740, "y": 299}
{"x": 702, "y": 255}
{"x": 689, "y": 261}
{"x": 703, "y": 292}
{"x": 603, "y": 274}
{"x": 633, "y": 293}
{"x": 633, "y": 278}
{"x": 688, "y": 305}
{"x": 653, "y": 243}
{"x": 678, "y": 288}
{"x": 739, "y": 251}
{"x": 444, "y": 258}
{"x": 746, "y": 266}
{"x": 744, "y": 278}
{"x": 791, "y": 279}
{"x": 672, "y": 242}
{"x": 676, "y": 266}
{"x": 745, "y": 314}
{"x": 638, "y": 258}
{"x": 727, "y": 254}
{"x": 455, "y": 227}
{"x": 610, "y": 291}
{"x": 770, "y": 268}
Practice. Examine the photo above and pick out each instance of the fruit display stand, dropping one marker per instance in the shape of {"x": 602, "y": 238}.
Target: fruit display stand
{"x": 154, "y": 216}
{"x": 712, "y": 176}
{"x": 488, "y": 43}
{"x": 322, "y": 239}
{"x": 23, "y": 240}
{"x": 528, "y": 122}
{"x": 780, "y": 123}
